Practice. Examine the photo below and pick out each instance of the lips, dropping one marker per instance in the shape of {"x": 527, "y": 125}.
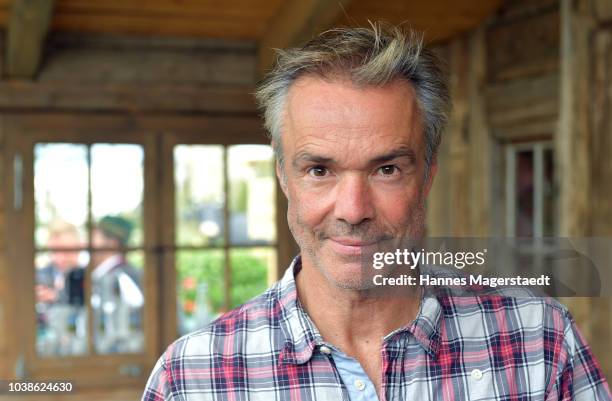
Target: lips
{"x": 350, "y": 246}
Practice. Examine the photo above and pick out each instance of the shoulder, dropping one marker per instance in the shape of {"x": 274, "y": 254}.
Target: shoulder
{"x": 516, "y": 316}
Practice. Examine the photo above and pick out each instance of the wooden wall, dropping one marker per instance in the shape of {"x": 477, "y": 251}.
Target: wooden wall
{"x": 126, "y": 74}
{"x": 537, "y": 70}
{"x": 4, "y": 287}
{"x": 4, "y": 320}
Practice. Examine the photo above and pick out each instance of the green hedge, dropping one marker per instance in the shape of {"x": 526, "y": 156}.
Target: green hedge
{"x": 249, "y": 276}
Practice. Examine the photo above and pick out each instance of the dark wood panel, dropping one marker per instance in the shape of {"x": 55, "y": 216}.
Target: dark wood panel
{"x": 120, "y": 61}
{"x": 523, "y": 108}
{"x": 524, "y": 47}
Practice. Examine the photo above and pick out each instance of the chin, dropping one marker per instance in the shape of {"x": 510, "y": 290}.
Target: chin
{"x": 346, "y": 274}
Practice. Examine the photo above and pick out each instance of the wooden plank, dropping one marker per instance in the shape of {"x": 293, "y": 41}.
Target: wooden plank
{"x": 458, "y": 16}
{"x": 603, "y": 10}
{"x": 296, "y": 22}
{"x": 27, "y": 29}
{"x": 572, "y": 139}
{"x": 90, "y": 128}
{"x": 601, "y": 143}
{"x": 524, "y": 47}
{"x": 126, "y": 97}
{"x": 572, "y": 147}
{"x": 457, "y": 154}
{"x": 516, "y": 93}
{"x": 159, "y": 26}
{"x": 200, "y": 8}
{"x": 479, "y": 138}
{"x": 525, "y": 131}
{"x": 147, "y": 64}
{"x": 4, "y": 277}
{"x": 438, "y": 202}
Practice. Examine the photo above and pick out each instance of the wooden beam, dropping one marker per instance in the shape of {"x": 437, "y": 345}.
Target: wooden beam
{"x": 572, "y": 141}
{"x": 28, "y": 25}
{"x": 119, "y": 97}
{"x": 296, "y": 22}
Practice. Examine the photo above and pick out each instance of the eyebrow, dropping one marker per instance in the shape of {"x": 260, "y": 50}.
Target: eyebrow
{"x": 311, "y": 158}
{"x": 395, "y": 154}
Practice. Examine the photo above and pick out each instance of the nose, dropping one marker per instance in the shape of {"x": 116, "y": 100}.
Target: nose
{"x": 353, "y": 200}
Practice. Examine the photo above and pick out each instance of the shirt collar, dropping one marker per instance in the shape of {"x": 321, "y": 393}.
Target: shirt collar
{"x": 425, "y": 328}
{"x": 301, "y": 333}
{"x": 302, "y": 336}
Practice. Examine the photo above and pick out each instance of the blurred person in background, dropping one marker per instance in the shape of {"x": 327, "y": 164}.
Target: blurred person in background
{"x": 60, "y": 294}
{"x": 117, "y": 297}
{"x": 51, "y": 281}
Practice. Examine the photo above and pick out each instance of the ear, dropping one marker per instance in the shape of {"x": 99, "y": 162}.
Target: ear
{"x": 433, "y": 169}
{"x": 281, "y": 179}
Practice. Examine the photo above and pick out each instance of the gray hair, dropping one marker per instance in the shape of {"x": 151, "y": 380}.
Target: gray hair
{"x": 367, "y": 56}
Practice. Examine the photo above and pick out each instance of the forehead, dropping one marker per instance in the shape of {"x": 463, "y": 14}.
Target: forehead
{"x": 337, "y": 110}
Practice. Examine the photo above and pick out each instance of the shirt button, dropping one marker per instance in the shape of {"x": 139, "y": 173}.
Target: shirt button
{"x": 476, "y": 374}
{"x": 359, "y": 385}
{"x": 325, "y": 349}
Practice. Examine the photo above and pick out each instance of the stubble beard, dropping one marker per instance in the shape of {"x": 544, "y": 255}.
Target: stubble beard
{"x": 310, "y": 242}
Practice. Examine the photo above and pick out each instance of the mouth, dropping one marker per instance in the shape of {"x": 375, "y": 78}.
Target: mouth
{"x": 350, "y": 246}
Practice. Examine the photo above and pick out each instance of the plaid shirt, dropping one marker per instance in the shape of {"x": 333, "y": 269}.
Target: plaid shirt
{"x": 458, "y": 348}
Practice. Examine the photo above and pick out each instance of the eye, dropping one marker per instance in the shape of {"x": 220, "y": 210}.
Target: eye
{"x": 318, "y": 171}
{"x": 388, "y": 170}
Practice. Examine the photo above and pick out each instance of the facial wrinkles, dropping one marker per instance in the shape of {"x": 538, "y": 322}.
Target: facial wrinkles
{"x": 383, "y": 233}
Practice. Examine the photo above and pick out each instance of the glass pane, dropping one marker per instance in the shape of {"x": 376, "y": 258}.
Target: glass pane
{"x": 117, "y": 301}
{"x": 60, "y": 313}
{"x": 524, "y": 193}
{"x": 252, "y": 202}
{"x": 117, "y": 190}
{"x": 60, "y": 191}
{"x": 200, "y": 282}
{"x": 198, "y": 179}
{"x": 252, "y": 272}
{"x": 549, "y": 209}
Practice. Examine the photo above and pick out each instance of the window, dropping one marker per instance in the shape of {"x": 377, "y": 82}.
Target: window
{"x": 530, "y": 190}
{"x": 225, "y": 228}
{"x": 88, "y": 217}
{"x": 130, "y": 232}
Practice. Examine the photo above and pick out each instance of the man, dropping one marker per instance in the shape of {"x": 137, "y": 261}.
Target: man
{"x": 355, "y": 118}
{"x": 59, "y": 295}
{"x": 51, "y": 280}
{"x": 117, "y": 297}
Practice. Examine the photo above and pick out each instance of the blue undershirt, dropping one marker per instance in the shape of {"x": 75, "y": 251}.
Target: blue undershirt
{"x": 355, "y": 379}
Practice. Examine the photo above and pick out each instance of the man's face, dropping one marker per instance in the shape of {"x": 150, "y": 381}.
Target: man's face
{"x": 101, "y": 240}
{"x": 354, "y": 173}
{"x": 64, "y": 260}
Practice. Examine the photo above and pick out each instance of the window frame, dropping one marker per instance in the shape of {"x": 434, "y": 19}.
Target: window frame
{"x": 169, "y": 141}
{"x": 156, "y": 133}
{"x": 510, "y": 151}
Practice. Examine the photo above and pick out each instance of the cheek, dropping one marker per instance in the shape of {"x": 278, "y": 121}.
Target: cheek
{"x": 306, "y": 208}
{"x": 397, "y": 206}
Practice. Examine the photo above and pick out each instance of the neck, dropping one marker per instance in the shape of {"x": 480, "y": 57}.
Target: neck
{"x": 353, "y": 319}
